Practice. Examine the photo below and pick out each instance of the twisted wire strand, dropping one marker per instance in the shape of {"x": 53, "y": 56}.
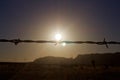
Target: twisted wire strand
{"x": 16, "y": 41}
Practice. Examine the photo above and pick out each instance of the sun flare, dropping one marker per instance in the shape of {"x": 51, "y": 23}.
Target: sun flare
{"x": 63, "y": 44}
{"x": 58, "y": 37}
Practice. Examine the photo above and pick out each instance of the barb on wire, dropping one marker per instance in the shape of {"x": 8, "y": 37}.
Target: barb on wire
{"x": 17, "y": 41}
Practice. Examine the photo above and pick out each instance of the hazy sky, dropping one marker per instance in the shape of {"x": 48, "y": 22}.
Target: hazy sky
{"x": 41, "y": 19}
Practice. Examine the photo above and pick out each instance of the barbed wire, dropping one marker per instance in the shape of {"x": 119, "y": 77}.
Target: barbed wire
{"x": 17, "y": 41}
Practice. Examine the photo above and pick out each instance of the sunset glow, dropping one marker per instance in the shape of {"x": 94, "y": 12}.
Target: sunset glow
{"x": 63, "y": 44}
{"x": 58, "y": 37}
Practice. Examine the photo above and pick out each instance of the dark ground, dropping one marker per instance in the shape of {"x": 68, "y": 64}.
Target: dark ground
{"x": 51, "y": 68}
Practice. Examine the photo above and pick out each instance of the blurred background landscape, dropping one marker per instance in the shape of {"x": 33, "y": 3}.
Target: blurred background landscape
{"x": 104, "y": 66}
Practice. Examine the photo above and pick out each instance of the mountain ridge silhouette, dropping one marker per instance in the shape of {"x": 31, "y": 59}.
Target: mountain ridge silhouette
{"x": 86, "y": 59}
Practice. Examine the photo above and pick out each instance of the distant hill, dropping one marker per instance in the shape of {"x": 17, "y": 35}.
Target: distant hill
{"x": 53, "y": 60}
{"x": 86, "y": 59}
{"x": 60, "y": 68}
{"x": 100, "y": 59}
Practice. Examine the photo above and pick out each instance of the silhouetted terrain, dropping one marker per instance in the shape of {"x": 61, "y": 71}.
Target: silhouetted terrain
{"x": 83, "y": 67}
{"x": 111, "y": 59}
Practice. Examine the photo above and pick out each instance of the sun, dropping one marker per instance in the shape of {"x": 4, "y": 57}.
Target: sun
{"x": 58, "y": 37}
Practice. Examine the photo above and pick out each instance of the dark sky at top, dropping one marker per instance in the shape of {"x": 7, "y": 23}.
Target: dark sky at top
{"x": 40, "y": 19}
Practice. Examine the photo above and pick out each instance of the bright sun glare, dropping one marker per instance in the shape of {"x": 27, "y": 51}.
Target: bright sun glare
{"x": 63, "y": 44}
{"x": 58, "y": 37}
